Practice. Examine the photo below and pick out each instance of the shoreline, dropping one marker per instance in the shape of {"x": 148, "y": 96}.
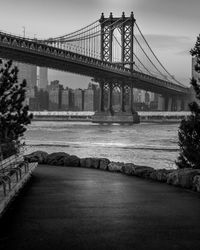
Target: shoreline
{"x": 184, "y": 178}
{"x": 86, "y": 116}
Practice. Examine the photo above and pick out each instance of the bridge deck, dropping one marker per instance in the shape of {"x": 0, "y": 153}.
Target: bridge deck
{"x": 41, "y": 54}
{"x": 74, "y": 208}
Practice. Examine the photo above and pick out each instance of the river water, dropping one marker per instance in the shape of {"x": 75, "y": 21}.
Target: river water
{"x": 149, "y": 144}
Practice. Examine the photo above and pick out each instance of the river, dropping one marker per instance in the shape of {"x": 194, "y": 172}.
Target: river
{"x": 149, "y": 144}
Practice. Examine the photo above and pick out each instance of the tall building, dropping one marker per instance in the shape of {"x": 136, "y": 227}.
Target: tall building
{"x": 91, "y": 97}
{"x": 67, "y": 99}
{"x": 55, "y": 95}
{"x": 78, "y": 100}
{"x": 43, "y": 78}
{"x": 29, "y": 73}
{"x": 88, "y": 100}
{"x": 116, "y": 100}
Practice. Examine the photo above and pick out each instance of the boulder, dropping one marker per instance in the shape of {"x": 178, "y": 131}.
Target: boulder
{"x": 142, "y": 171}
{"x": 92, "y": 162}
{"x": 72, "y": 161}
{"x": 182, "y": 177}
{"x": 104, "y": 163}
{"x": 37, "y": 156}
{"x": 115, "y": 166}
{"x": 160, "y": 175}
{"x": 172, "y": 178}
{"x": 196, "y": 183}
{"x": 128, "y": 168}
{"x": 57, "y": 159}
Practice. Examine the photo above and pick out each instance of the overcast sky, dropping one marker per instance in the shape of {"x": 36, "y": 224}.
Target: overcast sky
{"x": 170, "y": 26}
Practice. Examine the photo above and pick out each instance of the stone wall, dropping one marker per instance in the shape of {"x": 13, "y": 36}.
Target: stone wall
{"x": 185, "y": 178}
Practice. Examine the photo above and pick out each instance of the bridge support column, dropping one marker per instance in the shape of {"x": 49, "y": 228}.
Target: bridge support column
{"x": 122, "y": 109}
{"x": 131, "y": 96}
{"x": 108, "y": 115}
{"x": 110, "y": 109}
{"x": 101, "y": 101}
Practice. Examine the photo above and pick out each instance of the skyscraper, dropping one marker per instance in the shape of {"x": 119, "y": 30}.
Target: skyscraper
{"x": 67, "y": 99}
{"x": 78, "y": 99}
{"x": 29, "y": 73}
{"x": 55, "y": 90}
{"x": 43, "y": 78}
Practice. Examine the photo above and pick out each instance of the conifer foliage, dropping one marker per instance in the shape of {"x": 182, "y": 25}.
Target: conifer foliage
{"x": 189, "y": 130}
{"x": 13, "y": 112}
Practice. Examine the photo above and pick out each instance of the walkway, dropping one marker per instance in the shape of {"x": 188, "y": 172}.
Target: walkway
{"x": 74, "y": 208}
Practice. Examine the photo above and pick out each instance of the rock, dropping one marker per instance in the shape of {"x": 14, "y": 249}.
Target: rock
{"x": 182, "y": 177}
{"x": 160, "y": 175}
{"x": 196, "y": 183}
{"x": 142, "y": 171}
{"x": 128, "y": 168}
{"x": 37, "y": 156}
{"x": 72, "y": 161}
{"x": 57, "y": 159}
{"x": 172, "y": 178}
{"x": 104, "y": 163}
{"x": 92, "y": 162}
{"x": 115, "y": 166}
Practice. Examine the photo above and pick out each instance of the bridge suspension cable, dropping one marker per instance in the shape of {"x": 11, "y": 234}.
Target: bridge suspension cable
{"x": 87, "y": 41}
{"x": 172, "y": 77}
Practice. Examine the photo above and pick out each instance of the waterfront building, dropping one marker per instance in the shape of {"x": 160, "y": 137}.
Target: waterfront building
{"x": 43, "y": 78}
{"x": 116, "y": 99}
{"x": 40, "y": 101}
{"x": 161, "y": 103}
{"x": 28, "y": 72}
{"x": 67, "y": 99}
{"x": 55, "y": 90}
{"x": 78, "y": 100}
{"x": 91, "y": 97}
{"x": 88, "y": 100}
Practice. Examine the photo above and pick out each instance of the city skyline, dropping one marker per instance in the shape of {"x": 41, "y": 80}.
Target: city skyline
{"x": 170, "y": 27}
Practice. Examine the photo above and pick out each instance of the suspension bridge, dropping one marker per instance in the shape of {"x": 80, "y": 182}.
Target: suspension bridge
{"x": 114, "y": 52}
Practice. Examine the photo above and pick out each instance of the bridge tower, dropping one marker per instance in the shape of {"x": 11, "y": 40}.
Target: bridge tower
{"x": 126, "y": 114}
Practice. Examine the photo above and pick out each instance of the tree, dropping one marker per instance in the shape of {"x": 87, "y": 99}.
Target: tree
{"x": 189, "y": 129}
{"x": 14, "y": 116}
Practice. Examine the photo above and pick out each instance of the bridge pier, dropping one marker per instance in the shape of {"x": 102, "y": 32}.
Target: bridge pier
{"x": 106, "y": 114}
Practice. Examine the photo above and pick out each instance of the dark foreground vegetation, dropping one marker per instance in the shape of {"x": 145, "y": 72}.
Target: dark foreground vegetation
{"x": 189, "y": 130}
{"x": 14, "y": 115}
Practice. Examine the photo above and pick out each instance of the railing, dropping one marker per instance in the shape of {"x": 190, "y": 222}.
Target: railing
{"x": 12, "y": 171}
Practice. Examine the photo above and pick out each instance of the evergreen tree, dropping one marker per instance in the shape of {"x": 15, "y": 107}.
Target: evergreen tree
{"x": 13, "y": 112}
{"x": 189, "y": 130}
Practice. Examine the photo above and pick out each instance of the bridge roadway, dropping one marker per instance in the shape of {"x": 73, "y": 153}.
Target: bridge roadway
{"x": 32, "y": 51}
{"x": 74, "y": 208}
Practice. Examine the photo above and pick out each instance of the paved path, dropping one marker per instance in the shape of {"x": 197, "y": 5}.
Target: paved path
{"x": 74, "y": 208}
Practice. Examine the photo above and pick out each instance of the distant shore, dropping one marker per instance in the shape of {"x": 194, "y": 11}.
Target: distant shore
{"x": 86, "y": 116}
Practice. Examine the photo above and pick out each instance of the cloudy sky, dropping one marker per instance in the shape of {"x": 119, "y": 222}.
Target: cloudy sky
{"x": 170, "y": 26}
